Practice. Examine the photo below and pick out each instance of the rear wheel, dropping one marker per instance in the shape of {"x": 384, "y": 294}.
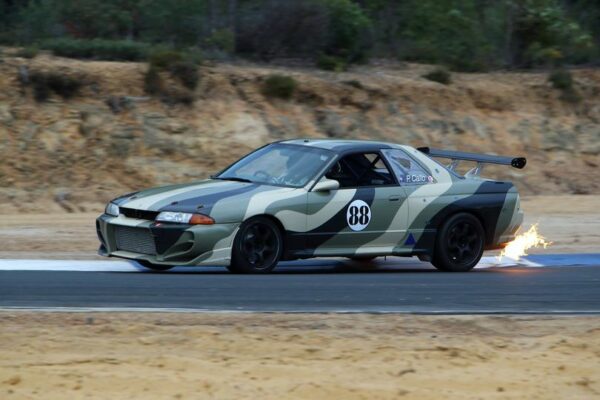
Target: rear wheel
{"x": 155, "y": 267}
{"x": 257, "y": 247}
{"x": 459, "y": 245}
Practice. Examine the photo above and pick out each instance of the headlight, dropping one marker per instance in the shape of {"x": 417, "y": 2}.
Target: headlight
{"x": 184, "y": 218}
{"x": 112, "y": 209}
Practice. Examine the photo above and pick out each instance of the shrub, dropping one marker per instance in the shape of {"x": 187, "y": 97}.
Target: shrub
{"x": 44, "y": 83}
{"x": 28, "y": 52}
{"x": 99, "y": 49}
{"x": 175, "y": 96}
{"x": 355, "y": 84}
{"x": 439, "y": 75}
{"x": 185, "y": 72}
{"x": 561, "y": 79}
{"x": 164, "y": 58}
{"x": 331, "y": 63}
{"x": 570, "y": 96}
{"x": 153, "y": 84}
{"x": 279, "y": 86}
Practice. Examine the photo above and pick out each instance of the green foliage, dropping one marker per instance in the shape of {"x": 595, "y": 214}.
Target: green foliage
{"x": 45, "y": 83}
{"x": 349, "y": 30}
{"x": 547, "y": 35}
{"x": 185, "y": 72}
{"x": 331, "y": 63}
{"x": 28, "y": 52}
{"x": 445, "y": 32}
{"x": 439, "y": 75}
{"x": 466, "y": 35}
{"x": 174, "y": 22}
{"x": 279, "y": 86}
{"x": 98, "y": 49}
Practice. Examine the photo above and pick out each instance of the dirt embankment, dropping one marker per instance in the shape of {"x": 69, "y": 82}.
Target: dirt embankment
{"x": 197, "y": 356}
{"x": 74, "y": 154}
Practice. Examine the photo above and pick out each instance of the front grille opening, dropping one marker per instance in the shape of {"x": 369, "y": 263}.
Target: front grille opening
{"x": 139, "y": 214}
{"x": 135, "y": 240}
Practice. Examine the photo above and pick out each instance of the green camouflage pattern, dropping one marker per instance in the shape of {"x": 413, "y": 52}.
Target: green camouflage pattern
{"x": 403, "y": 218}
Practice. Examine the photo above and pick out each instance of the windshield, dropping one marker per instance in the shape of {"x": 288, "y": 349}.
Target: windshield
{"x": 279, "y": 164}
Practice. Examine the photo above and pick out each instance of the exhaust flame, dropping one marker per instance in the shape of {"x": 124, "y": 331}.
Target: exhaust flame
{"x": 519, "y": 246}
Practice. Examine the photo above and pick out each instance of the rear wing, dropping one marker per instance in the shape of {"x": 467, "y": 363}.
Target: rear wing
{"x": 480, "y": 159}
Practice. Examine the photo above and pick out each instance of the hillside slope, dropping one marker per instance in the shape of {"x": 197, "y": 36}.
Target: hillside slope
{"x": 76, "y": 154}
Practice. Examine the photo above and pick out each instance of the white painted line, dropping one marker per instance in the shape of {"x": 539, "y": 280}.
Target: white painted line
{"x": 69, "y": 265}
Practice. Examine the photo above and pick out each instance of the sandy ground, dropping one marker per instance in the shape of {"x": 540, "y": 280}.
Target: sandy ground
{"x": 571, "y": 222}
{"x": 279, "y": 356}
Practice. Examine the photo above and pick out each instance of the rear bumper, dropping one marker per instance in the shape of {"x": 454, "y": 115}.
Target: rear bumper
{"x": 165, "y": 244}
{"x": 509, "y": 234}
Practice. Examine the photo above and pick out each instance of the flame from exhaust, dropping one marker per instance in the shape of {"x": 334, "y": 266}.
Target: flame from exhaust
{"x": 523, "y": 242}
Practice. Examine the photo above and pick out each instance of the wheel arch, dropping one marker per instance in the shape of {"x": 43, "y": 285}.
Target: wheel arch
{"x": 488, "y": 233}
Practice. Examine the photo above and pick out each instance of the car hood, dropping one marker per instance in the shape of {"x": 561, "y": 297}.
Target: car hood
{"x": 197, "y": 197}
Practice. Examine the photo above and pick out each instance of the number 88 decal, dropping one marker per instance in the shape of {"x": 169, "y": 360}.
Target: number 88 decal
{"x": 358, "y": 215}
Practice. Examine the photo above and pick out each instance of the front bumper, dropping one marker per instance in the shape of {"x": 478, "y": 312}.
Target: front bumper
{"x": 165, "y": 243}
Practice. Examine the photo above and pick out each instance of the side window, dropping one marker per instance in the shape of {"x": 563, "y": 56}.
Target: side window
{"x": 362, "y": 169}
{"x": 407, "y": 170}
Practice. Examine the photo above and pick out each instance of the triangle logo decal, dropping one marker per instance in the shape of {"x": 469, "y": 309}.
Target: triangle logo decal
{"x": 410, "y": 240}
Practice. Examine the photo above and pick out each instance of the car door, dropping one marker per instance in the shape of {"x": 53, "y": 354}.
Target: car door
{"x": 365, "y": 215}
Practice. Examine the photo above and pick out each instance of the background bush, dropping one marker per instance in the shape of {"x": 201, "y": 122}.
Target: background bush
{"x": 279, "y": 86}
{"x": 99, "y": 49}
{"x": 186, "y": 72}
{"x": 439, "y": 75}
{"x": 46, "y": 83}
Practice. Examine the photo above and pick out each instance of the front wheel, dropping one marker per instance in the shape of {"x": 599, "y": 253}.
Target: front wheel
{"x": 257, "y": 247}
{"x": 459, "y": 245}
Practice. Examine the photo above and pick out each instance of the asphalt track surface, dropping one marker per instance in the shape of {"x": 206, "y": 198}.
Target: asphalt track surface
{"x": 395, "y": 285}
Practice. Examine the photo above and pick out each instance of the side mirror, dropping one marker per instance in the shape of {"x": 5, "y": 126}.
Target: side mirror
{"x": 326, "y": 185}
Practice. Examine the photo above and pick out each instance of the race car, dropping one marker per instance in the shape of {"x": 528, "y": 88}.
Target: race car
{"x": 304, "y": 198}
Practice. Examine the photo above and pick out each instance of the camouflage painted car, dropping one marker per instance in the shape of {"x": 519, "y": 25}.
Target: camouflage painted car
{"x": 300, "y": 198}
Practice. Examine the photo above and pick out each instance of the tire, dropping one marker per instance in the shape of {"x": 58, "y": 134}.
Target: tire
{"x": 155, "y": 267}
{"x": 459, "y": 244}
{"x": 257, "y": 247}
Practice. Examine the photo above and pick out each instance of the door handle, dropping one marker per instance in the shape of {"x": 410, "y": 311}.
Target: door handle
{"x": 394, "y": 198}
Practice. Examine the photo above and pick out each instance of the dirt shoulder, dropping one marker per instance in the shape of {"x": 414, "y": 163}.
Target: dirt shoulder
{"x": 571, "y": 222}
{"x": 274, "y": 356}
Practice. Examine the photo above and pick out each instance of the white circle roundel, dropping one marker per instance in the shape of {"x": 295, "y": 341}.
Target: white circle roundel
{"x": 358, "y": 215}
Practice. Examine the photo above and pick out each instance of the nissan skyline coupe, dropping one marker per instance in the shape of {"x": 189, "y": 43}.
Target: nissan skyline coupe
{"x": 304, "y": 198}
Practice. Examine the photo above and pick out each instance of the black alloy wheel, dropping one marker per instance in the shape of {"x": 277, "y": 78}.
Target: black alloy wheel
{"x": 459, "y": 245}
{"x": 257, "y": 247}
